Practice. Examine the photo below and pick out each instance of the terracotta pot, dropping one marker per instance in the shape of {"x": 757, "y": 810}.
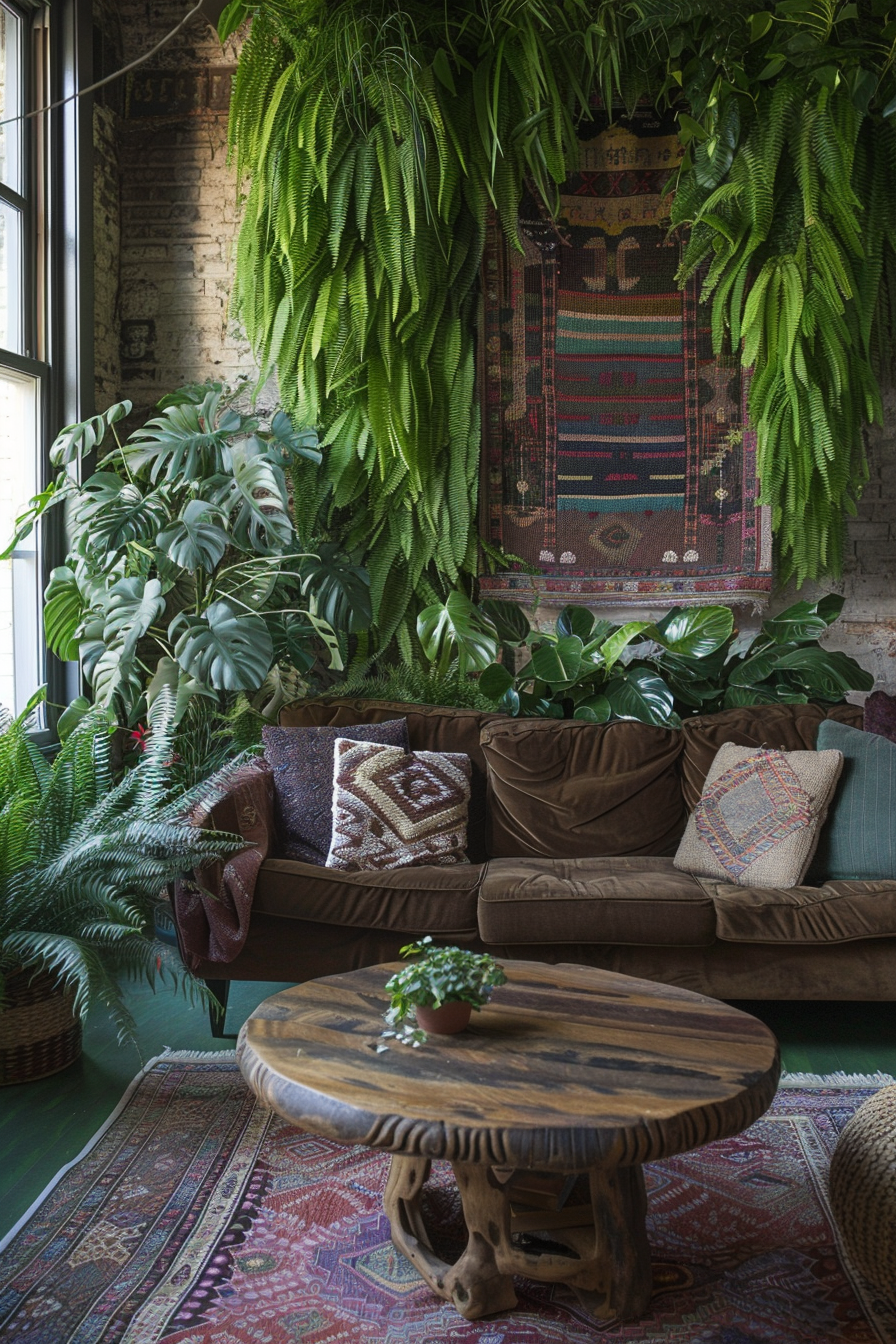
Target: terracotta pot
{"x": 447, "y": 1020}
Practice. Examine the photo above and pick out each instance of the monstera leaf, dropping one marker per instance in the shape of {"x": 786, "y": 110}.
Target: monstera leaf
{"x": 116, "y": 676}
{"x": 288, "y": 443}
{"x": 256, "y": 500}
{"x": 457, "y": 630}
{"x": 338, "y": 589}
{"x": 197, "y": 540}
{"x": 131, "y": 607}
{"x": 223, "y": 648}
{"x": 63, "y": 612}
{"x": 76, "y": 441}
{"x": 170, "y": 674}
{"x": 187, "y": 442}
{"x": 111, "y": 512}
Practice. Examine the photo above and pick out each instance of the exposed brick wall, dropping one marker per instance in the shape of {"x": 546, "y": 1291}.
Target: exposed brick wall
{"x": 164, "y": 262}
{"x": 167, "y": 213}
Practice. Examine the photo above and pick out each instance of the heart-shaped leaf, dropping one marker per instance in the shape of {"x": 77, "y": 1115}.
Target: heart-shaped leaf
{"x": 495, "y": 681}
{"x": 508, "y": 618}
{"x": 640, "y": 694}
{"x": 596, "y": 709}
{"x": 223, "y": 648}
{"x": 760, "y": 666}
{"x": 558, "y": 662}
{"x": 197, "y": 540}
{"x": 576, "y": 621}
{"x": 696, "y": 632}
{"x": 620, "y": 639}
{"x": 803, "y": 621}
{"x": 826, "y": 673}
{"x": 737, "y": 697}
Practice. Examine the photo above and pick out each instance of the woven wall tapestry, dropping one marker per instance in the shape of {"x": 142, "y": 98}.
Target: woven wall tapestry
{"x": 617, "y": 461}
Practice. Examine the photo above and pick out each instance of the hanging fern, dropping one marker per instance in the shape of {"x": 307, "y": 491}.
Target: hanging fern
{"x": 376, "y": 136}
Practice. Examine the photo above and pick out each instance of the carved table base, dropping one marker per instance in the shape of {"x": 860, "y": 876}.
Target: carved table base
{"x": 609, "y": 1267}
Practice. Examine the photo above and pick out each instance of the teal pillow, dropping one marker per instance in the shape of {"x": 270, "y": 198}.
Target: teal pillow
{"x": 859, "y": 839}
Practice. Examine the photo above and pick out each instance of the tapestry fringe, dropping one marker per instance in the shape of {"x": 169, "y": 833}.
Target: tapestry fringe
{"x": 838, "y": 1079}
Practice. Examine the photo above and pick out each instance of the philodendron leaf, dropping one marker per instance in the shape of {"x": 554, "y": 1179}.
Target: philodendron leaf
{"x": 576, "y": 621}
{"x": 197, "y": 540}
{"x": 63, "y": 611}
{"x": 824, "y": 673}
{"x": 760, "y": 666}
{"x": 737, "y": 697}
{"x": 640, "y": 694}
{"x": 620, "y": 639}
{"x": 495, "y": 681}
{"x": 223, "y": 647}
{"x": 596, "y": 709}
{"x": 71, "y": 716}
{"x": 457, "y": 629}
{"x": 558, "y": 663}
{"x": 508, "y": 618}
{"x": 131, "y": 607}
{"x": 696, "y": 632}
{"x": 803, "y": 621}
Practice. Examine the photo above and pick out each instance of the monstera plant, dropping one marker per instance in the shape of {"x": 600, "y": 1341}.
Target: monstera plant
{"x": 185, "y": 567}
{"x": 690, "y": 661}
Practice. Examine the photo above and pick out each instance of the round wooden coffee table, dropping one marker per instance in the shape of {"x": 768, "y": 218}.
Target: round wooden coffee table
{"x": 568, "y": 1070}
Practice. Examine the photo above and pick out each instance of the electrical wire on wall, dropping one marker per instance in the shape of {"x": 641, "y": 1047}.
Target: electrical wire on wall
{"x": 212, "y": 10}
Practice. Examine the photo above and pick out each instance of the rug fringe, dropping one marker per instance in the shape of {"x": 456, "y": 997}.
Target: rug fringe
{"x": 838, "y": 1079}
{"x": 169, "y": 1056}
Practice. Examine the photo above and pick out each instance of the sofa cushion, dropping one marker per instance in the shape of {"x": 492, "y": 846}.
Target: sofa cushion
{"x": 859, "y": 840}
{"x": 430, "y": 728}
{"x": 760, "y": 815}
{"x": 837, "y": 912}
{"x": 612, "y": 900}
{"x": 566, "y": 789}
{"x": 440, "y": 901}
{"x": 784, "y": 727}
{"x": 398, "y": 809}
{"x": 302, "y": 760}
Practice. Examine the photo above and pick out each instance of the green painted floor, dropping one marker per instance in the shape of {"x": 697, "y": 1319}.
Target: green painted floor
{"x": 43, "y": 1125}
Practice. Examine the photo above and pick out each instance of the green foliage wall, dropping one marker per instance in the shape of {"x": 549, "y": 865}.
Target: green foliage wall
{"x": 376, "y": 136}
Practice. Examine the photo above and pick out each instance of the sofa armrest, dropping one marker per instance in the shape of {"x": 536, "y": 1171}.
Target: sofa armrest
{"x": 213, "y": 905}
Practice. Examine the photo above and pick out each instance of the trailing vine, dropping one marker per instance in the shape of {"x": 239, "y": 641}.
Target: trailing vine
{"x": 377, "y": 135}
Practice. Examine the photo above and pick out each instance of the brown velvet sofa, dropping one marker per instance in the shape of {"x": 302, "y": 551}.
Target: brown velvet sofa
{"x": 572, "y": 831}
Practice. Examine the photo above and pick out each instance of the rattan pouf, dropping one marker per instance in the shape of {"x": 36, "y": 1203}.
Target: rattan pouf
{"x": 863, "y": 1190}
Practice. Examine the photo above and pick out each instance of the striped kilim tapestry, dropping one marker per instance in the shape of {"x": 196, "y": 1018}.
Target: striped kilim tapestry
{"x": 617, "y": 461}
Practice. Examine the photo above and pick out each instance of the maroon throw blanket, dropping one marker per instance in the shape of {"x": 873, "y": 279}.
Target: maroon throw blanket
{"x": 213, "y": 906}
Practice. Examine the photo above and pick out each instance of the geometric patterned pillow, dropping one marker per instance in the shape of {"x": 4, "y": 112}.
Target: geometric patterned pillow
{"x": 398, "y": 809}
{"x": 760, "y": 816}
{"x": 302, "y": 761}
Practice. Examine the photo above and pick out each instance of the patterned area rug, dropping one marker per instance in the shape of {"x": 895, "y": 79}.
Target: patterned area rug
{"x": 617, "y": 463}
{"x": 197, "y": 1218}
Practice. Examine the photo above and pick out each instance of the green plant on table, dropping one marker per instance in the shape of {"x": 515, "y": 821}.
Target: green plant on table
{"x": 83, "y": 861}
{"x": 185, "y": 567}
{"x": 442, "y": 975}
{"x": 689, "y": 661}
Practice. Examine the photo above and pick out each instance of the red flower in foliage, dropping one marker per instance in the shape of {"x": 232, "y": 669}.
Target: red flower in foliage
{"x": 140, "y": 736}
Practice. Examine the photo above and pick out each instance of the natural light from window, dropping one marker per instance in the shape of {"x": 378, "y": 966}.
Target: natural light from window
{"x": 19, "y": 636}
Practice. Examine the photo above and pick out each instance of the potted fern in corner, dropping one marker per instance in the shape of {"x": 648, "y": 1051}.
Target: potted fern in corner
{"x": 83, "y": 861}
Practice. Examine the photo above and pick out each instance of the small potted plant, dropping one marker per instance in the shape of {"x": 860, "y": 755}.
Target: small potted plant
{"x": 440, "y": 990}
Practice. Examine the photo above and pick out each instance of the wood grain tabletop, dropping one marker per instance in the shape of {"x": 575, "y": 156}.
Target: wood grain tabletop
{"x": 566, "y": 1067}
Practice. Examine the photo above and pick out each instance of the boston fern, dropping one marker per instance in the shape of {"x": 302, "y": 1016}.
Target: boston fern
{"x": 377, "y": 135}
{"x": 185, "y": 568}
{"x": 83, "y": 861}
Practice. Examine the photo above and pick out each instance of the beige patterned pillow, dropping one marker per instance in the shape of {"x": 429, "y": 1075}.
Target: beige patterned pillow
{"x": 397, "y": 809}
{"x": 760, "y": 815}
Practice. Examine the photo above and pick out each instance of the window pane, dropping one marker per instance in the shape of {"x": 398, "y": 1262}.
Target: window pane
{"x": 10, "y": 100}
{"x": 10, "y": 278}
{"x": 20, "y": 642}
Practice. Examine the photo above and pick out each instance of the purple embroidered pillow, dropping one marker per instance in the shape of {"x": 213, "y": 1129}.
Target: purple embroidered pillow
{"x": 879, "y": 715}
{"x": 302, "y": 762}
{"x": 758, "y": 820}
{"x": 398, "y": 809}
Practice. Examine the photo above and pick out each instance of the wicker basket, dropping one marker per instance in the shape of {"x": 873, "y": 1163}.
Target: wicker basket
{"x": 39, "y": 1033}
